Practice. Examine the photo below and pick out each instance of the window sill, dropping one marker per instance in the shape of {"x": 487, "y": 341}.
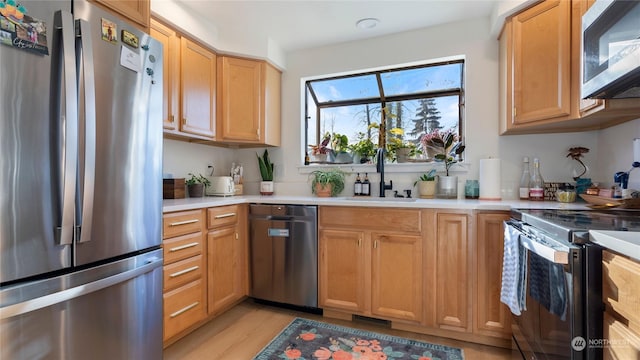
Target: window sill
{"x": 458, "y": 168}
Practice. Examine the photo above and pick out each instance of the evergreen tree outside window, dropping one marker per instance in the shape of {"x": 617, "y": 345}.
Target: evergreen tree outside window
{"x": 409, "y": 101}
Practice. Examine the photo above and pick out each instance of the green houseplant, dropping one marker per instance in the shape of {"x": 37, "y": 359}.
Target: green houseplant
{"x": 196, "y": 184}
{"x": 426, "y": 184}
{"x": 447, "y": 149}
{"x": 325, "y": 183}
{"x": 339, "y": 147}
{"x": 266, "y": 172}
{"x": 363, "y": 150}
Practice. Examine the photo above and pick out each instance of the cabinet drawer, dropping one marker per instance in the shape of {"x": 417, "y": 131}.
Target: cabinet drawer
{"x": 371, "y": 218}
{"x": 182, "y": 247}
{"x": 623, "y": 342}
{"x": 222, "y": 216}
{"x": 621, "y": 287}
{"x": 182, "y": 272}
{"x": 180, "y": 223}
{"x": 183, "y": 307}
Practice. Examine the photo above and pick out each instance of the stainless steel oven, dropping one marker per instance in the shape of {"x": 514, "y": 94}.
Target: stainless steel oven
{"x": 552, "y": 324}
{"x": 611, "y": 50}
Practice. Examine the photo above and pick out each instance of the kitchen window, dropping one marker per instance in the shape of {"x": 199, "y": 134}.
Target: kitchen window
{"x": 344, "y": 113}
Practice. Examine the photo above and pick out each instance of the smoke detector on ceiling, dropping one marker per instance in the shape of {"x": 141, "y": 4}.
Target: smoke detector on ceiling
{"x": 367, "y": 23}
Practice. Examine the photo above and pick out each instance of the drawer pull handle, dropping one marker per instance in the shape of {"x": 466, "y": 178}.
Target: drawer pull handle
{"x": 184, "y": 309}
{"x": 184, "y": 271}
{"x": 178, "y": 223}
{"x": 186, "y": 246}
{"x": 222, "y": 216}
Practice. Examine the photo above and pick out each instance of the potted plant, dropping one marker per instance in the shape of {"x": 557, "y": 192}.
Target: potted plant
{"x": 398, "y": 149}
{"x": 325, "y": 183}
{"x": 320, "y": 152}
{"x": 266, "y": 172}
{"x": 427, "y": 184}
{"x": 339, "y": 147}
{"x": 196, "y": 184}
{"x": 447, "y": 149}
{"x": 363, "y": 150}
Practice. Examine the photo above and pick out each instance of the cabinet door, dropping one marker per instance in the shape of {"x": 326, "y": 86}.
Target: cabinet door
{"x": 491, "y": 317}
{"x": 171, "y": 69}
{"x": 542, "y": 62}
{"x": 198, "y": 74}
{"x": 342, "y": 270}
{"x": 225, "y": 284}
{"x": 240, "y": 100}
{"x": 135, "y": 10}
{"x": 452, "y": 283}
{"x": 396, "y": 276}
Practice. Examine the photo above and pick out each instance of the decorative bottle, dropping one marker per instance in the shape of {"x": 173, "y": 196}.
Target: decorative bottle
{"x": 536, "y": 186}
{"x": 366, "y": 186}
{"x": 357, "y": 187}
{"x": 525, "y": 179}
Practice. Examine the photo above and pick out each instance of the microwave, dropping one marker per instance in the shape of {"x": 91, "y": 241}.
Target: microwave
{"x": 611, "y": 50}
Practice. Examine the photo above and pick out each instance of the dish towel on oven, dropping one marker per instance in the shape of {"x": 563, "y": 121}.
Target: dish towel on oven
{"x": 514, "y": 272}
{"x": 547, "y": 285}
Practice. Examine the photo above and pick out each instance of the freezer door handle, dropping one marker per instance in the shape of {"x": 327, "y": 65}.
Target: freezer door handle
{"x": 68, "y": 294}
{"x": 86, "y": 50}
{"x": 63, "y": 22}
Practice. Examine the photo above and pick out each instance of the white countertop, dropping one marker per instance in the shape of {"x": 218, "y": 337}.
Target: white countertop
{"x": 623, "y": 242}
{"x": 196, "y": 203}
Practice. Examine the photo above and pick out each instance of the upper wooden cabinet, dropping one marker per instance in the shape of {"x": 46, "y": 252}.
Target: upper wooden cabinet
{"x": 540, "y": 74}
{"x": 171, "y": 73}
{"x": 137, "y": 11}
{"x": 248, "y": 101}
{"x": 189, "y": 85}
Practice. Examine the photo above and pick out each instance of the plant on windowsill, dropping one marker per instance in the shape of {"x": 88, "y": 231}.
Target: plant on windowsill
{"x": 326, "y": 183}
{"x": 339, "y": 147}
{"x": 196, "y": 184}
{"x": 363, "y": 150}
{"x": 320, "y": 152}
{"x": 398, "y": 149}
{"x": 266, "y": 172}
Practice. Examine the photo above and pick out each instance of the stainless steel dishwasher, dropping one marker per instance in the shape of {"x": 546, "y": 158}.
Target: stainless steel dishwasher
{"x": 284, "y": 253}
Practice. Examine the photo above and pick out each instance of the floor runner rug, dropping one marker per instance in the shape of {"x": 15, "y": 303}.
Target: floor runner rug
{"x": 306, "y": 339}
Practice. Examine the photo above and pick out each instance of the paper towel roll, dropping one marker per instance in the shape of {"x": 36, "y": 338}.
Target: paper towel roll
{"x": 636, "y": 149}
{"x": 490, "y": 185}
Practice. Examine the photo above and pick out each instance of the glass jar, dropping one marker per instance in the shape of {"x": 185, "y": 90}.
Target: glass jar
{"x": 566, "y": 193}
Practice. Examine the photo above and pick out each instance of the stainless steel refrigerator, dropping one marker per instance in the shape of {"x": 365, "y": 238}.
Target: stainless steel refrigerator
{"x": 80, "y": 184}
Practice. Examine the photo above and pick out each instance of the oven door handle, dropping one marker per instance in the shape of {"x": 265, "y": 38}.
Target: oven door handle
{"x": 555, "y": 255}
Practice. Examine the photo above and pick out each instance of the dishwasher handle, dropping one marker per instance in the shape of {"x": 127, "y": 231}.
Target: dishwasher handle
{"x": 279, "y": 218}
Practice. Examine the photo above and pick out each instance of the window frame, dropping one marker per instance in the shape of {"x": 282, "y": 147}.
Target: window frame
{"x": 382, "y": 100}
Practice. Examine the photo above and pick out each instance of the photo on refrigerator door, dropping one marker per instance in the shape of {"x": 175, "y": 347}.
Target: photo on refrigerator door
{"x": 20, "y": 30}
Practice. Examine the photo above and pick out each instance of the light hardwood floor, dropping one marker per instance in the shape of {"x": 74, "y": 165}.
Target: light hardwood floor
{"x": 243, "y": 331}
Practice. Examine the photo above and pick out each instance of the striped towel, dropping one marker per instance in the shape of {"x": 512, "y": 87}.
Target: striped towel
{"x": 514, "y": 271}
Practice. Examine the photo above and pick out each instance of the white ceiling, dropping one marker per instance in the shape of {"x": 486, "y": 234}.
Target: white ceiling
{"x": 299, "y": 24}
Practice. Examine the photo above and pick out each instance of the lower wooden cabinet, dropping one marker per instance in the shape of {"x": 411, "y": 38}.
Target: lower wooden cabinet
{"x": 373, "y": 273}
{"x": 227, "y": 266}
{"x": 491, "y": 317}
{"x": 621, "y": 296}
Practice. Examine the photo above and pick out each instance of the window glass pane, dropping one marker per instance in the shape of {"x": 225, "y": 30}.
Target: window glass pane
{"x": 411, "y": 81}
{"x": 349, "y": 88}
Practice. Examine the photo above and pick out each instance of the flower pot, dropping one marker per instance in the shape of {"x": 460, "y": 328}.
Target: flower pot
{"x": 343, "y": 157}
{"x": 427, "y": 189}
{"x": 320, "y": 158}
{"x": 402, "y": 154}
{"x": 448, "y": 187}
{"x": 266, "y": 188}
{"x": 323, "y": 190}
{"x": 195, "y": 190}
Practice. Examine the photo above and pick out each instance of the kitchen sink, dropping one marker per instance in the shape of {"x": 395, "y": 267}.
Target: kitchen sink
{"x": 386, "y": 199}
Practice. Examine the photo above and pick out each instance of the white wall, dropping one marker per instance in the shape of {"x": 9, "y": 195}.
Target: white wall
{"x": 615, "y": 152}
{"x": 181, "y": 158}
{"x": 469, "y": 38}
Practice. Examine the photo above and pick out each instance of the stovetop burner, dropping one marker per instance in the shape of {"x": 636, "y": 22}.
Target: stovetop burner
{"x": 563, "y": 224}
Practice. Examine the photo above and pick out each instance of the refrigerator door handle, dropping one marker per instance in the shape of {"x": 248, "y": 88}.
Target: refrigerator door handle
{"x": 75, "y": 292}
{"x": 86, "y": 50}
{"x": 63, "y": 22}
